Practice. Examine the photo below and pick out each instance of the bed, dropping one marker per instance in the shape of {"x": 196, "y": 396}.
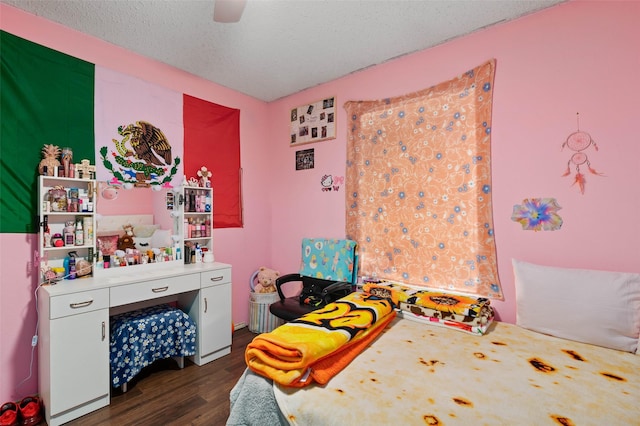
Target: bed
{"x": 417, "y": 373}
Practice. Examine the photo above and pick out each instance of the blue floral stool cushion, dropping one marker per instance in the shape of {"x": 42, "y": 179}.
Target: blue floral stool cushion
{"x": 141, "y": 337}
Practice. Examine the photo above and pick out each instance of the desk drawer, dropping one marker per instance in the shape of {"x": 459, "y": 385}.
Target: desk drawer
{"x": 216, "y": 277}
{"x": 147, "y": 290}
{"x": 78, "y": 303}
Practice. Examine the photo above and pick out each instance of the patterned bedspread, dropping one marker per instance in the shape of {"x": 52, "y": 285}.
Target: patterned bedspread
{"x": 140, "y": 337}
{"x": 416, "y": 374}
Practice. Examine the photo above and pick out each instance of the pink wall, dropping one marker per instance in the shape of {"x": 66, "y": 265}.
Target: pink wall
{"x": 246, "y": 249}
{"x": 580, "y": 56}
{"x": 577, "y": 56}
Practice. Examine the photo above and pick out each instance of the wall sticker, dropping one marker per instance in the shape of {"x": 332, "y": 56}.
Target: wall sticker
{"x": 537, "y": 214}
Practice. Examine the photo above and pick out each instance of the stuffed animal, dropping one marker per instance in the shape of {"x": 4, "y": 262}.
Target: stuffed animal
{"x": 128, "y": 230}
{"x": 125, "y": 242}
{"x": 266, "y": 280}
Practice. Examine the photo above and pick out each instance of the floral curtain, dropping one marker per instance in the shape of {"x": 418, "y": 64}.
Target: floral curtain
{"x": 419, "y": 186}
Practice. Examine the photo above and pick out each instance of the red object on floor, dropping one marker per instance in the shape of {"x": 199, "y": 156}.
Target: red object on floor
{"x": 9, "y": 414}
{"x": 30, "y": 409}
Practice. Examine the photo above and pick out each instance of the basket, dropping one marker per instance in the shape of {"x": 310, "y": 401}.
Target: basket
{"x": 260, "y": 319}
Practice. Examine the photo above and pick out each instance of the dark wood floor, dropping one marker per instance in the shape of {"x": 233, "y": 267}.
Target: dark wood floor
{"x": 162, "y": 394}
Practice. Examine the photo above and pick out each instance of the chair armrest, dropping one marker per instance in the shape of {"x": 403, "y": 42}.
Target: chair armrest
{"x": 285, "y": 279}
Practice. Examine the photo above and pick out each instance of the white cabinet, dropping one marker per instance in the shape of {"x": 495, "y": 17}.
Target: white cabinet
{"x": 73, "y": 345}
{"x": 197, "y": 221}
{"x": 215, "y": 336}
{"x": 73, "y": 354}
{"x": 67, "y": 223}
{"x": 211, "y": 310}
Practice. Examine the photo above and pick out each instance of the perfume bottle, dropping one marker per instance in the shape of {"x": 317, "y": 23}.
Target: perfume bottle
{"x": 69, "y": 233}
{"x": 79, "y": 233}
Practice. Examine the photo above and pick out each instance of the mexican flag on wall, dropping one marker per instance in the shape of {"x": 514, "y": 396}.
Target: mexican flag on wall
{"x": 139, "y": 131}
{"x": 132, "y": 130}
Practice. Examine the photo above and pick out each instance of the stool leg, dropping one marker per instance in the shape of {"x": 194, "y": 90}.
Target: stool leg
{"x": 180, "y": 361}
{"x": 124, "y": 388}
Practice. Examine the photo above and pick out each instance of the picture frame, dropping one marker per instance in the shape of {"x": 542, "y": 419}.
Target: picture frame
{"x": 313, "y": 122}
{"x": 305, "y": 159}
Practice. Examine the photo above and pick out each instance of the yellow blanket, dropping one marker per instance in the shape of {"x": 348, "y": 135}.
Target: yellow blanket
{"x": 467, "y": 306}
{"x": 320, "y": 344}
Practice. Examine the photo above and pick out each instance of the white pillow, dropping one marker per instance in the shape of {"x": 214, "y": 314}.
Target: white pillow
{"x": 597, "y": 307}
{"x": 161, "y": 238}
{"x": 145, "y": 231}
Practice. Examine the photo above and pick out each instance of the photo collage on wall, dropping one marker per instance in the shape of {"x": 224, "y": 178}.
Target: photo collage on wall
{"x": 313, "y": 122}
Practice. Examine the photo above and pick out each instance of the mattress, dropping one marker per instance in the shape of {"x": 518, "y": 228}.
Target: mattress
{"x": 417, "y": 374}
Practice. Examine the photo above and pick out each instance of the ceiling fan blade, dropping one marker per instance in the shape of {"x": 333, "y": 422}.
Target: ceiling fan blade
{"x": 227, "y": 11}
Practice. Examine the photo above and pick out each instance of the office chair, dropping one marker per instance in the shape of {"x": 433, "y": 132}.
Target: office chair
{"x": 328, "y": 271}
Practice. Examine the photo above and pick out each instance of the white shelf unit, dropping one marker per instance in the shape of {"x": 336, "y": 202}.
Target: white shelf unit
{"x": 51, "y": 256}
{"x": 74, "y": 314}
{"x": 196, "y": 224}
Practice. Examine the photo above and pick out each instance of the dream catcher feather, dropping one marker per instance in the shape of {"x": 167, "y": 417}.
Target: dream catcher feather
{"x": 579, "y": 141}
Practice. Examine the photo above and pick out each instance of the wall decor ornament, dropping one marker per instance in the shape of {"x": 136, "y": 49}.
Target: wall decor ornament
{"x": 330, "y": 183}
{"x": 538, "y": 214}
{"x": 313, "y": 122}
{"x": 50, "y": 160}
{"x": 84, "y": 170}
{"x": 143, "y": 156}
{"x": 579, "y": 141}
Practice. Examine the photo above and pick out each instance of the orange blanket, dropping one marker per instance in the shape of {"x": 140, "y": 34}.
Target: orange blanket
{"x": 317, "y": 346}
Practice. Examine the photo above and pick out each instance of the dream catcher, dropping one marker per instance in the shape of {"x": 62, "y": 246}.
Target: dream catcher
{"x": 579, "y": 141}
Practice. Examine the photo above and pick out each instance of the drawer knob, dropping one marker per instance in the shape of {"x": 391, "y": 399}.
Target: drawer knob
{"x": 80, "y": 304}
{"x": 160, "y": 289}
{"x": 214, "y": 279}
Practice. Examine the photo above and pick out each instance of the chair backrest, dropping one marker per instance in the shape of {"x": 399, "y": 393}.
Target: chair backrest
{"x": 329, "y": 259}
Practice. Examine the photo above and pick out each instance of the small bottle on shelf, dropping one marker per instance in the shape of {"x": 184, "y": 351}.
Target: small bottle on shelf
{"x": 47, "y": 237}
{"x": 79, "y": 233}
{"x": 207, "y": 202}
{"x": 196, "y": 229}
{"x": 203, "y": 201}
{"x": 88, "y": 230}
{"x": 192, "y": 201}
{"x": 72, "y": 266}
{"x": 69, "y": 234}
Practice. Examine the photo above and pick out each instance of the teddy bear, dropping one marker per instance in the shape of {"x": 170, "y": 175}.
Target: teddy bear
{"x": 266, "y": 280}
{"x": 126, "y": 242}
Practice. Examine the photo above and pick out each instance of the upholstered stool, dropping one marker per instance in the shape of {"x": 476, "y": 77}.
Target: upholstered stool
{"x": 138, "y": 338}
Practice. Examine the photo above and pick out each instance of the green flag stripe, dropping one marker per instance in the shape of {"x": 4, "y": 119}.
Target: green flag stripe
{"x": 46, "y": 97}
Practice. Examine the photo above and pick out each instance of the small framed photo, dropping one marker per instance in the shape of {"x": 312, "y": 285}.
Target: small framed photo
{"x": 313, "y": 122}
{"x": 304, "y": 159}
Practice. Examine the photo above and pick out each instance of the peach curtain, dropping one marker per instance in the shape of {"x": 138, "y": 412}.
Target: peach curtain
{"x": 419, "y": 186}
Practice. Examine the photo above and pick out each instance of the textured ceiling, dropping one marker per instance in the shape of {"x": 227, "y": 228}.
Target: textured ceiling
{"x": 279, "y": 47}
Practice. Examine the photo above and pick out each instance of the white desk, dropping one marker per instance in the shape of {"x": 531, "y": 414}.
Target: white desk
{"x": 73, "y": 345}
